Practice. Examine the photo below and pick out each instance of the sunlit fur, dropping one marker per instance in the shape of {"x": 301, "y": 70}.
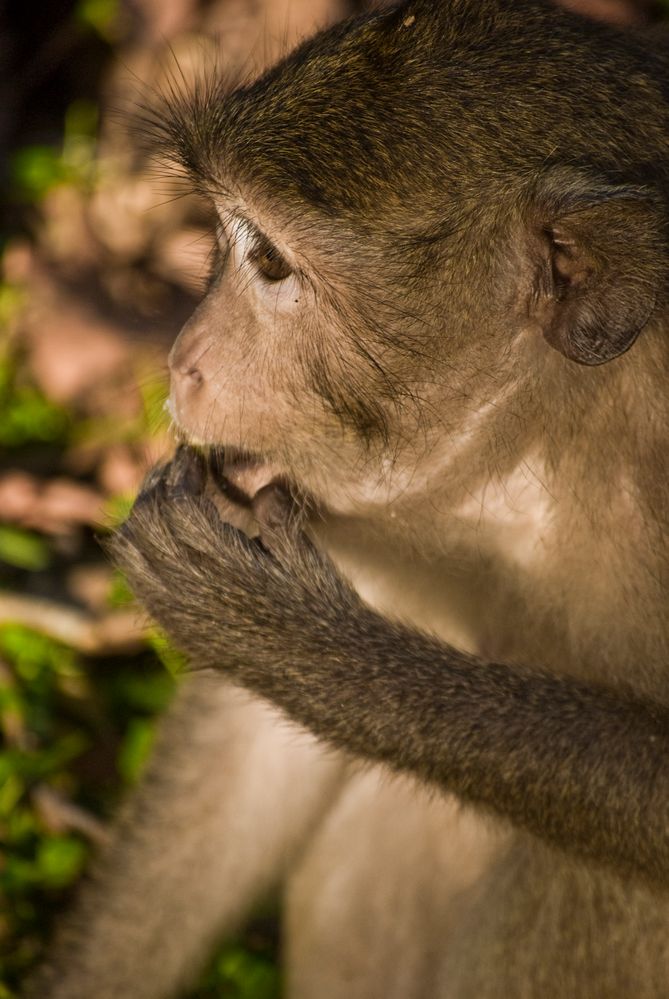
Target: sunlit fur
{"x": 465, "y": 375}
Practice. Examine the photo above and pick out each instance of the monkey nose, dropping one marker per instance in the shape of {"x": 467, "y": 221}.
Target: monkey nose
{"x": 194, "y": 374}
{"x": 182, "y": 365}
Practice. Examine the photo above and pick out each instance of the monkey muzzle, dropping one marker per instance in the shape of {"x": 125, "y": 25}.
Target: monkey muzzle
{"x": 240, "y": 474}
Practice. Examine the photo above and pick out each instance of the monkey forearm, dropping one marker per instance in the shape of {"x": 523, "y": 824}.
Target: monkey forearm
{"x": 574, "y": 764}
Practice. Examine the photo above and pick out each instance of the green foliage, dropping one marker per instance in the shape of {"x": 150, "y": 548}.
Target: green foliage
{"x": 242, "y": 970}
{"x": 36, "y": 170}
{"x": 11, "y": 299}
{"x": 172, "y": 659}
{"x": 59, "y": 860}
{"x": 36, "y": 658}
{"x": 146, "y": 695}
{"x": 99, "y": 15}
{"x": 154, "y": 392}
{"x": 23, "y": 549}
{"x": 40, "y": 749}
{"x": 60, "y": 705}
{"x": 54, "y": 707}
{"x": 135, "y": 749}
{"x": 150, "y": 691}
{"x": 116, "y": 511}
{"x": 150, "y": 419}
{"x": 26, "y": 416}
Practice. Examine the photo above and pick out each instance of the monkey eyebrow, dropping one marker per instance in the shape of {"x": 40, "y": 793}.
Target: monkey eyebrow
{"x": 239, "y": 223}
{"x": 233, "y": 227}
{"x": 242, "y": 225}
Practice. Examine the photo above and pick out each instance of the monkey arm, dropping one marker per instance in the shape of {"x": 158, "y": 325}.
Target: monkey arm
{"x": 584, "y": 768}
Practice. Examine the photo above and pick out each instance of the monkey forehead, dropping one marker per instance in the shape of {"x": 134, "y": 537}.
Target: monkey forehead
{"x": 430, "y": 100}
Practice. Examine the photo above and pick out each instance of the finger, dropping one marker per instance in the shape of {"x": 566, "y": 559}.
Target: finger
{"x": 230, "y": 491}
{"x": 153, "y": 484}
{"x": 276, "y": 513}
{"x": 186, "y": 473}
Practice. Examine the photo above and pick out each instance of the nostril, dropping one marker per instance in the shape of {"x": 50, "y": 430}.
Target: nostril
{"x": 194, "y": 374}
{"x": 183, "y": 362}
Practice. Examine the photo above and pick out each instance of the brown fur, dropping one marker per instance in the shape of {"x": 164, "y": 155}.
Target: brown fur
{"x": 466, "y": 374}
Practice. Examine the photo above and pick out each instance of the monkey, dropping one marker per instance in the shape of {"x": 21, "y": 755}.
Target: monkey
{"x": 414, "y": 546}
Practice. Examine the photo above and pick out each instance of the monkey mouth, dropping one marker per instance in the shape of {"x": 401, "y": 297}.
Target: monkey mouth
{"x": 241, "y": 474}
{"x": 238, "y": 472}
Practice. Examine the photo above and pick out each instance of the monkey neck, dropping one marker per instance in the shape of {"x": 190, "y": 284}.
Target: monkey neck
{"x": 497, "y": 532}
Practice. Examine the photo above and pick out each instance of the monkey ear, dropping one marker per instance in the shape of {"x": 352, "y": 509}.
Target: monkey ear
{"x": 601, "y": 266}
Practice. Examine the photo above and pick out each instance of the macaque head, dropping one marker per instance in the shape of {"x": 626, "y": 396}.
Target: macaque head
{"x": 426, "y": 218}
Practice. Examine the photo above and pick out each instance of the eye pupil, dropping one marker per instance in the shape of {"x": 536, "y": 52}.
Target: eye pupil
{"x": 269, "y": 262}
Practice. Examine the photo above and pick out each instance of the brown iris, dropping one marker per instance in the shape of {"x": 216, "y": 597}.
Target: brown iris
{"x": 269, "y": 262}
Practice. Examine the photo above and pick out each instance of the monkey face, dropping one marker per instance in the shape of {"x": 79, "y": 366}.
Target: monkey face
{"x": 400, "y": 278}
{"x": 230, "y": 365}
{"x": 281, "y": 362}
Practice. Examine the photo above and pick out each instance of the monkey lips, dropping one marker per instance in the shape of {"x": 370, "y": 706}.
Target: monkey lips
{"x": 240, "y": 474}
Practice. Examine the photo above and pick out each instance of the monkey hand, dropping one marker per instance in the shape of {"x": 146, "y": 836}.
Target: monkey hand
{"x": 229, "y": 601}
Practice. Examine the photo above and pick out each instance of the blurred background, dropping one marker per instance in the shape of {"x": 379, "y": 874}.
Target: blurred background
{"x": 103, "y": 255}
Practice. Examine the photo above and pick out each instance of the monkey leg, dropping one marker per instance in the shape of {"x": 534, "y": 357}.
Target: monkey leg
{"x": 372, "y": 903}
{"x": 229, "y": 797}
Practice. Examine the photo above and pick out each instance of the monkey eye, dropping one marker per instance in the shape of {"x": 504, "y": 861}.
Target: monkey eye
{"x": 268, "y": 261}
